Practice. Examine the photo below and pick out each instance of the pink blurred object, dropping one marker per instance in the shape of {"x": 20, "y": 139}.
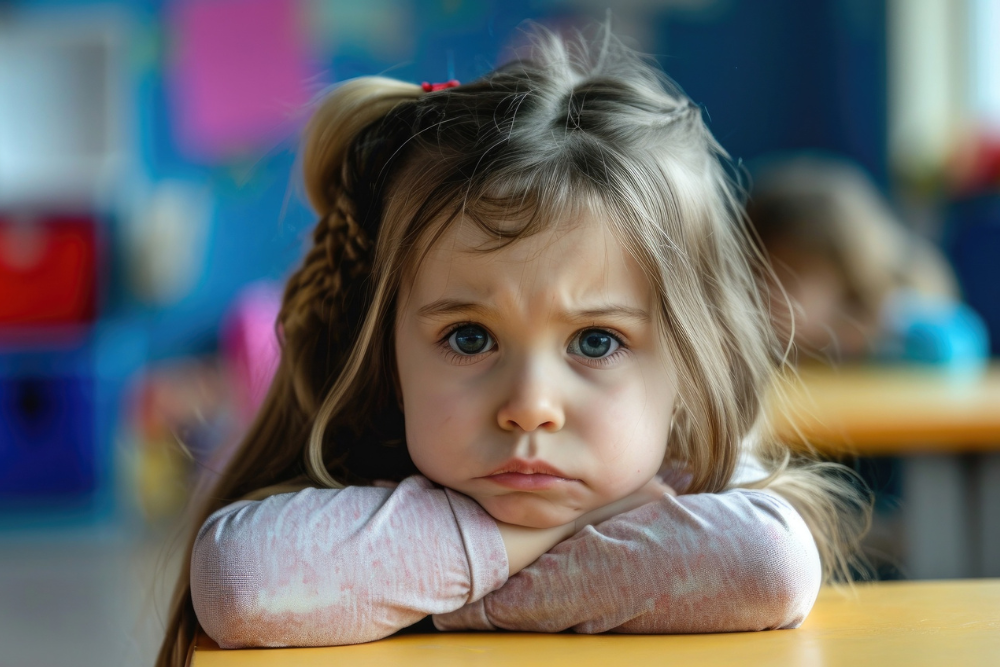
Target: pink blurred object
{"x": 249, "y": 345}
{"x": 239, "y": 73}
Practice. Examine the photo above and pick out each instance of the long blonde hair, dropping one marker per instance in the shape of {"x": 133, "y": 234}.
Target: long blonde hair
{"x": 388, "y": 167}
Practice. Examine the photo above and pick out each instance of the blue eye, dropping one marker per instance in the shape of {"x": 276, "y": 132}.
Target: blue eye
{"x": 470, "y": 339}
{"x": 594, "y": 343}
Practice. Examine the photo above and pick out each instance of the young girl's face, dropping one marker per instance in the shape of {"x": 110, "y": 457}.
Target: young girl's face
{"x": 532, "y": 377}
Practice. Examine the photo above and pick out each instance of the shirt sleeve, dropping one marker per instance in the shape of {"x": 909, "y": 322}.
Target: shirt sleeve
{"x": 341, "y": 566}
{"x": 731, "y": 561}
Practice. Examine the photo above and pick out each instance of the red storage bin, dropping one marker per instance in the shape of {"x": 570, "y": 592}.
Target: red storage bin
{"x": 48, "y": 270}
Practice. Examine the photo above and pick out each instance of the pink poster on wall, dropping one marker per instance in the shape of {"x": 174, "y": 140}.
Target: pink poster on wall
{"x": 240, "y": 73}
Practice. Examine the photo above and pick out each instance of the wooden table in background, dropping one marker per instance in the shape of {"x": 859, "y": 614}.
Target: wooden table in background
{"x": 883, "y": 410}
{"x": 945, "y": 425}
{"x": 895, "y": 623}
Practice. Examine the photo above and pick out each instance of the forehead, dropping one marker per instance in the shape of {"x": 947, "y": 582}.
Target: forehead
{"x": 574, "y": 262}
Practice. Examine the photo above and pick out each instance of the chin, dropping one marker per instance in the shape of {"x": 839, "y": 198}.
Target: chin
{"x": 530, "y": 512}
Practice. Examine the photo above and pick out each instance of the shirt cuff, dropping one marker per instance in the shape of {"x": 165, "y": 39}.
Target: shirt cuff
{"x": 484, "y": 548}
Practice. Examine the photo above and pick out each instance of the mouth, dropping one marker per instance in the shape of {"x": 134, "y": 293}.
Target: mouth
{"x": 528, "y": 475}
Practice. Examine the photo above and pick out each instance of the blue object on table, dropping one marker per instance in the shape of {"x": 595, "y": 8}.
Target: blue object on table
{"x": 921, "y": 329}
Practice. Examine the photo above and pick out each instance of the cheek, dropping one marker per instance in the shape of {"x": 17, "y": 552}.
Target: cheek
{"x": 443, "y": 418}
{"x": 436, "y": 407}
{"x": 629, "y": 434}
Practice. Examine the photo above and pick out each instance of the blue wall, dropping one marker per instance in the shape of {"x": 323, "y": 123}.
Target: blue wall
{"x": 779, "y": 75}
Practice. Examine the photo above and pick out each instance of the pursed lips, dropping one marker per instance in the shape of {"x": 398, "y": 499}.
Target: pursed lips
{"x": 532, "y": 467}
{"x": 527, "y": 475}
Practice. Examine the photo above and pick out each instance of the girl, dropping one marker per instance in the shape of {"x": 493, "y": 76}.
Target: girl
{"x": 527, "y": 297}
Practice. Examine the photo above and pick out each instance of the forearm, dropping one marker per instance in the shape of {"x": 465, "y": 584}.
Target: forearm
{"x": 742, "y": 560}
{"x": 324, "y": 566}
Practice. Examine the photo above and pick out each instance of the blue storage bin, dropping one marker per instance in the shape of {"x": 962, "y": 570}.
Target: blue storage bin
{"x": 48, "y": 434}
{"x": 60, "y": 411}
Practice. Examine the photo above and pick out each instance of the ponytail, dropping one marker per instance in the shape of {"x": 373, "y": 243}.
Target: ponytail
{"x": 352, "y": 107}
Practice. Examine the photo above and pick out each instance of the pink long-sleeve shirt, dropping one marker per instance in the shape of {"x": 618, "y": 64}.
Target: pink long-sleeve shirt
{"x": 326, "y": 567}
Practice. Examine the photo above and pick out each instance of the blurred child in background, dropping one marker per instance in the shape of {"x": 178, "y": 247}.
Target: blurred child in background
{"x": 858, "y": 282}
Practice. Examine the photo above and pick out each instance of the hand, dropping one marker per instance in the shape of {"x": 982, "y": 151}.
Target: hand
{"x": 652, "y": 491}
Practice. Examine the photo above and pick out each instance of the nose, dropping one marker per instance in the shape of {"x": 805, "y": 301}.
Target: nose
{"x": 532, "y": 402}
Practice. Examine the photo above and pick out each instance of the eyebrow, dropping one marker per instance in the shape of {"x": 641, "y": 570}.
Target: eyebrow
{"x": 621, "y": 312}
{"x": 445, "y": 307}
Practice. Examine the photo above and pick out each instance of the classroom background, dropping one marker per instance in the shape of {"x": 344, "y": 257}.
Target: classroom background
{"x": 150, "y": 208}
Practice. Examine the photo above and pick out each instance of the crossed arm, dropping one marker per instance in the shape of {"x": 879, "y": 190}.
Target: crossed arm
{"x": 323, "y": 567}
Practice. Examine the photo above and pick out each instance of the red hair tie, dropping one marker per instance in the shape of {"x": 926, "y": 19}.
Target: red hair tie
{"x": 434, "y": 87}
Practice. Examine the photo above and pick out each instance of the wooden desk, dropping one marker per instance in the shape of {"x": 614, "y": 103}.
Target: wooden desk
{"x": 880, "y": 410}
{"x": 895, "y": 623}
{"x": 947, "y": 429}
